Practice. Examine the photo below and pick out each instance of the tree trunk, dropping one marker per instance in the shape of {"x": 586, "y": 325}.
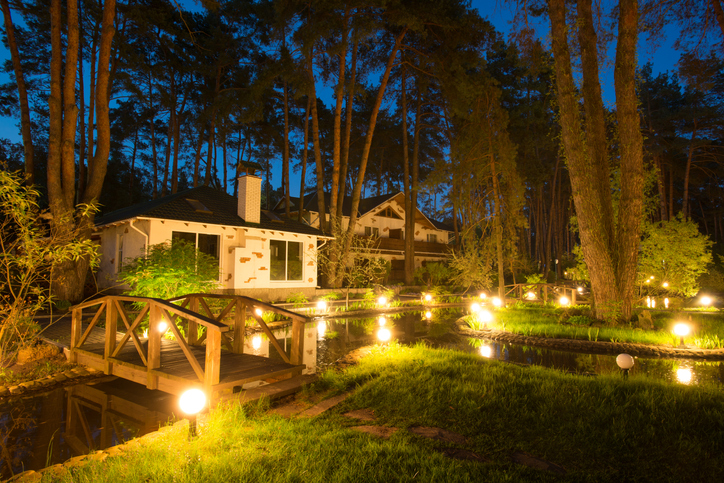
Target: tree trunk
{"x": 285, "y": 152}
{"x": 317, "y": 149}
{"x": 348, "y": 132}
{"x": 685, "y": 198}
{"x": 409, "y": 250}
{"x": 302, "y": 181}
{"x": 22, "y": 95}
{"x": 334, "y": 217}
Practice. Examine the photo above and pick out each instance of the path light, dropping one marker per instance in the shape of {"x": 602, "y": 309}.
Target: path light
{"x": 665, "y": 284}
{"x": 162, "y": 326}
{"x": 483, "y": 295}
{"x": 475, "y": 308}
{"x": 486, "y": 351}
{"x": 530, "y": 295}
{"x": 580, "y": 289}
{"x": 625, "y": 362}
{"x": 256, "y": 342}
{"x": 681, "y": 330}
{"x": 382, "y": 321}
{"x": 666, "y": 302}
{"x": 322, "y": 305}
{"x": 258, "y": 312}
{"x": 321, "y": 329}
{"x": 428, "y": 315}
{"x": 497, "y": 302}
{"x": 191, "y": 402}
{"x": 563, "y": 301}
{"x": 684, "y": 375}
{"x": 485, "y": 316}
{"x": 705, "y": 301}
{"x": 382, "y": 301}
{"x": 428, "y": 298}
{"x": 651, "y": 277}
{"x": 384, "y": 334}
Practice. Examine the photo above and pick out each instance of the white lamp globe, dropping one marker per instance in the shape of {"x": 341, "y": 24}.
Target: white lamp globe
{"x": 192, "y": 401}
{"x": 625, "y": 361}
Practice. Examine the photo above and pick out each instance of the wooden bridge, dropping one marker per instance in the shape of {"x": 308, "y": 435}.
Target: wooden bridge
{"x": 544, "y": 291}
{"x": 194, "y": 356}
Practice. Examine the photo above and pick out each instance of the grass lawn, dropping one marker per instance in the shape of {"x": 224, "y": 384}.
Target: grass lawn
{"x": 597, "y": 429}
{"x": 707, "y": 330}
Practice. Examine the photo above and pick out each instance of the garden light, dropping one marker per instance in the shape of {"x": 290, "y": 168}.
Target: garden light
{"x": 666, "y": 302}
{"x": 530, "y": 295}
{"x": 483, "y": 295}
{"x": 665, "y": 284}
{"x": 705, "y": 301}
{"x": 497, "y": 302}
{"x": 382, "y": 321}
{"x": 162, "y": 326}
{"x": 191, "y": 402}
{"x": 256, "y": 342}
{"x": 681, "y": 330}
{"x": 580, "y": 289}
{"x": 321, "y": 329}
{"x": 382, "y": 300}
{"x": 486, "y": 351}
{"x": 384, "y": 334}
{"x": 684, "y": 375}
{"x": 485, "y": 316}
{"x": 428, "y": 315}
{"x": 258, "y": 312}
{"x": 428, "y": 298}
{"x": 563, "y": 301}
{"x": 651, "y": 277}
{"x": 625, "y": 362}
{"x": 322, "y": 305}
{"x": 475, "y": 308}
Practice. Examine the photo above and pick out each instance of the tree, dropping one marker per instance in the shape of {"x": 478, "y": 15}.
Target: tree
{"x": 609, "y": 240}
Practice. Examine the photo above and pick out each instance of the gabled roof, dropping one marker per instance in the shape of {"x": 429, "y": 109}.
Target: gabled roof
{"x": 220, "y": 209}
{"x": 365, "y": 206}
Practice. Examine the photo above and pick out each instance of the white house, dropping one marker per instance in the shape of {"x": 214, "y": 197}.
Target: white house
{"x": 260, "y": 254}
{"x": 383, "y": 217}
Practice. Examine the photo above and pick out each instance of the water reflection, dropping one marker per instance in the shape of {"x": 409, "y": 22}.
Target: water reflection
{"x": 49, "y": 428}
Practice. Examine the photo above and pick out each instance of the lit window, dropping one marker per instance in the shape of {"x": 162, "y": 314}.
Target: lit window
{"x": 285, "y": 260}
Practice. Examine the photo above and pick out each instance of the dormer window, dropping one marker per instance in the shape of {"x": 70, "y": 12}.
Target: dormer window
{"x": 199, "y": 207}
{"x": 389, "y": 213}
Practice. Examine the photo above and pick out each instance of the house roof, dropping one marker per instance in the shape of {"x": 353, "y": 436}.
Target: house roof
{"x": 188, "y": 205}
{"x": 365, "y": 206}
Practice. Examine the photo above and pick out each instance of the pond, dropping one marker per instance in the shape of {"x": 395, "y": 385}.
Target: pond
{"x": 54, "y": 426}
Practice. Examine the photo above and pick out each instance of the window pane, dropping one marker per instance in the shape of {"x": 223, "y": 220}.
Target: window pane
{"x": 278, "y": 259}
{"x": 294, "y": 261}
{"x": 189, "y": 238}
{"x": 209, "y": 244}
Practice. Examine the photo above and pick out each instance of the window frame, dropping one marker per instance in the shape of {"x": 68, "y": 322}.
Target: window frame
{"x": 272, "y": 259}
{"x": 196, "y": 245}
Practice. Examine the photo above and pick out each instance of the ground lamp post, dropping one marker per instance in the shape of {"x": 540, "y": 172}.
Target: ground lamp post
{"x": 322, "y": 306}
{"x": 563, "y": 301}
{"x": 681, "y": 330}
{"x": 191, "y": 402}
{"x": 428, "y": 298}
{"x": 625, "y": 362}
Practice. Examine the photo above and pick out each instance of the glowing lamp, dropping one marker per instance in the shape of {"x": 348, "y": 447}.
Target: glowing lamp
{"x": 382, "y": 300}
{"x": 651, "y": 277}
{"x": 382, "y": 320}
{"x": 162, "y": 326}
{"x": 485, "y": 316}
{"x": 530, "y": 295}
{"x": 705, "y": 300}
{"x": 653, "y": 303}
{"x": 580, "y": 289}
{"x": 625, "y": 362}
{"x": 684, "y": 375}
{"x": 384, "y": 334}
{"x": 497, "y": 302}
{"x": 256, "y": 342}
{"x": 321, "y": 329}
{"x": 486, "y": 351}
{"x": 665, "y": 284}
{"x": 322, "y": 305}
{"x": 258, "y": 312}
{"x": 428, "y": 298}
{"x": 681, "y": 330}
{"x": 666, "y": 302}
{"x": 563, "y": 301}
{"x": 483, "y": 295}
{"x": 475, "y": 308}
{"x": 192, "y": 401}
{"x": 428, "y": 315}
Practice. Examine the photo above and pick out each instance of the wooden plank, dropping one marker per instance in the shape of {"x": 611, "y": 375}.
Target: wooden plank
{"x": 258, "y": 376}
{"x": 91, "y": 325}
{"x": 75, "y": 332}
{"x": 239, "y": 327}
{"x": 185, "y": 348}
{"x": 213, "y": 360}
{"x": 154, "y": 344}
{"x": 206, "y": 308}
{"x": 297, "y": 352}
{"x": 130, "y": 331}
{"x": 193, "y": 325}
{"x": 272, "y": 339}
{"x": 111, "y": 327}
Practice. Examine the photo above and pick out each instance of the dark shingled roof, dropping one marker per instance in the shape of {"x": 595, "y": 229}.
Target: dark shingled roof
{"x": 223, "y": 208}
{"x": 365, "y": 206}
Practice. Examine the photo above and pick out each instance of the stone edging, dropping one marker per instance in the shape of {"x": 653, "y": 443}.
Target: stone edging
{"x": 59, "y": 469}
{"x": 29, "y": 387}
{"x": 595, "y": 347}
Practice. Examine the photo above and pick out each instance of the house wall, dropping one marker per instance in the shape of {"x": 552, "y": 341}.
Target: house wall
{"x": 244, "y": 256}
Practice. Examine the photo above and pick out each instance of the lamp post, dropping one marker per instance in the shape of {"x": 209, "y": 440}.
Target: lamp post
{"x": 625, "y": 362}
{"x": 191, "y": 402}
{"x": 681, "y": 330}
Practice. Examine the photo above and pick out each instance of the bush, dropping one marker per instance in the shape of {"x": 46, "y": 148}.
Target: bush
{"x": 171, "y": 270}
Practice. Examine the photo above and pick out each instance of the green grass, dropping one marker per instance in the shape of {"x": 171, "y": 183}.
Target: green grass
{"x": 37, "y": 370}
{"x": 707, "y": 330}
{"x": 598, "y": 429}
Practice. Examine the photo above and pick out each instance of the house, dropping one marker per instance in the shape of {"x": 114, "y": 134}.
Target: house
{"x": 383, "y": 217}
{"x": 260, "y": 254}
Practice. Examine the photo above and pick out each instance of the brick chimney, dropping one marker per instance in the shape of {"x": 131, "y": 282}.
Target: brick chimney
{"x": 249, "y": 203}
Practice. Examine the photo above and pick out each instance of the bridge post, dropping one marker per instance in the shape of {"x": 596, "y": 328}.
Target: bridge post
{"x": 213, "y": 360}
{"x": 239, "y": 326}
{"x": 297, "y": 352}
{"x": 76, "y": 330}
{"x": 193, "y": 336}
{"x": 111, "y": 326}
{"x": 154, "y": 345}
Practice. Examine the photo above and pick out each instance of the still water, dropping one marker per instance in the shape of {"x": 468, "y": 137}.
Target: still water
{"x": 54, "y": 426}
